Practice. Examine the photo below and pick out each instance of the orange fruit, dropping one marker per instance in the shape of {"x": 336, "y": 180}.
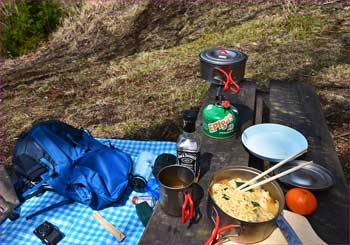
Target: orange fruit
{"x": 301, "y": 201}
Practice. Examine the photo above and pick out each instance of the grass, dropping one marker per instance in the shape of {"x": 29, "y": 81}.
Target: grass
{"x": 131, "y": 72}
{"x": 24, "y": 25}
{"x": 289, "y": 47}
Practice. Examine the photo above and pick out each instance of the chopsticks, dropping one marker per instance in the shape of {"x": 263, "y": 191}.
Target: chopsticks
{"x": 292, "y": 157}
{"x": 277, "y": 176}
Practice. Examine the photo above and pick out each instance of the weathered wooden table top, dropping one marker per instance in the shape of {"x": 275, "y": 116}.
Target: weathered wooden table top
{"x": 297, "y": 105}
{"x": 294, "y": 105}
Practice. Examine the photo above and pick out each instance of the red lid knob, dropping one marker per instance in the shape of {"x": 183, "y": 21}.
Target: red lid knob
{"x": 226, "y": 104}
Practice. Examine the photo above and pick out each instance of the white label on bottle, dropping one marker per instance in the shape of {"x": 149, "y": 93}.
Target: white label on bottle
{"x": 189, "y": 160}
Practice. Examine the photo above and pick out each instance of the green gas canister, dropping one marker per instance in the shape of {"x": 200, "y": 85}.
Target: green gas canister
{"x": 220, "y": 120}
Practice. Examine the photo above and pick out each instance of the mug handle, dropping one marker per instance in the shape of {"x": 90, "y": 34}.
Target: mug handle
{"x": 187, "y": 214}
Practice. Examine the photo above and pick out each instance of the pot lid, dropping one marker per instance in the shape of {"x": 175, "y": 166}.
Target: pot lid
{"x": 222, "y": 56}
{"x": 312, "y": 177}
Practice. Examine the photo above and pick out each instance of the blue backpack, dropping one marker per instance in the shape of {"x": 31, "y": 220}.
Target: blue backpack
{"x": 72, "y": 162}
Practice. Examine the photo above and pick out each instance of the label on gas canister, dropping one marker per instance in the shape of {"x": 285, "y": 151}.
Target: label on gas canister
{"x": 219, "y": 122}
{"x": 226, "y": 125}
{"x": 189, "y": 159}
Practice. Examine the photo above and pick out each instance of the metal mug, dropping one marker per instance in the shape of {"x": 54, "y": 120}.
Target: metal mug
{"x": 176, "y": 192}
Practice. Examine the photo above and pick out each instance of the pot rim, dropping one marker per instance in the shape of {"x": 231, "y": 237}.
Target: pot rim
{"x": 256, "y": 171}
{"x": 209, "y": 59}
{"x": 175, "y": 188}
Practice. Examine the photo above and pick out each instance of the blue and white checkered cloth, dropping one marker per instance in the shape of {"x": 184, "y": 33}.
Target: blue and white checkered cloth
{"x": 75, "y": 220}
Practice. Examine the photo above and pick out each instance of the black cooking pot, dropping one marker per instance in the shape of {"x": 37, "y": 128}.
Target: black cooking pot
{"x": 243, "y": 231}
{"x": 214, "y": 62}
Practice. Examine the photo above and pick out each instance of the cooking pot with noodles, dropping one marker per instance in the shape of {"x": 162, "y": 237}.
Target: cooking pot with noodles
{"x": 250, "y": 216}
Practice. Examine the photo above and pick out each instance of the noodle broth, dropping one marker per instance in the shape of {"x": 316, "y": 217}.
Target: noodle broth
{"x": 255, "y": 205}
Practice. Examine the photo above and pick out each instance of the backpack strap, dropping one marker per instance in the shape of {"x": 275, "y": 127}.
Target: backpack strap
{"x": 34, "y": 191}
{"x": 53, "y": 206}
{"x": 43, "y": 188}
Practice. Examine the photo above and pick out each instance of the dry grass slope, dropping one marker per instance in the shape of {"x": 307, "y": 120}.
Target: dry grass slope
{"x": 129, "y": 70}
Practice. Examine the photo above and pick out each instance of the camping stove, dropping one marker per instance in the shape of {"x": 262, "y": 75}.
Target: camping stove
{"x": 224, "y": 68}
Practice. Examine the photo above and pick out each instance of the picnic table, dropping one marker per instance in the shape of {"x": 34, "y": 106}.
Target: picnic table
{"x": 292, "y": 104}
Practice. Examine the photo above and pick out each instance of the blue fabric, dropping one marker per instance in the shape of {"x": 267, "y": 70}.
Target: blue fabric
{"x": 75, "y": 220}
{"x": 82, "y": 168}
{"x": 287, "y": 231}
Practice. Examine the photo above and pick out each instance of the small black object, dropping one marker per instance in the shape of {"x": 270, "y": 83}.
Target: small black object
{"x": 138, "y": 183}
{"x": 162, "y": 161}
{"x": 189, "y": 120}
{"x": 48, "y": 233}
{"x": 13, "y": 216}
{"x": 190, "y": 115}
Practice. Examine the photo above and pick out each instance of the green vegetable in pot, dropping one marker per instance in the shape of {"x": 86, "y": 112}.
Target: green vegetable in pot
{"x": 255, "y": 204}
{"x": 224, "y": 196}
{"x": 238, "y": 184}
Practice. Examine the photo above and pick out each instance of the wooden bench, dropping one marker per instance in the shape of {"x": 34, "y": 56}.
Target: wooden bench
{"x": 297, "y": 105}
{"x": 292, "y": 104}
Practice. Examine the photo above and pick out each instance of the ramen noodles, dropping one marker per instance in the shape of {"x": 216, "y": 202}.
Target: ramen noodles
{"x": 255, "y": 205}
